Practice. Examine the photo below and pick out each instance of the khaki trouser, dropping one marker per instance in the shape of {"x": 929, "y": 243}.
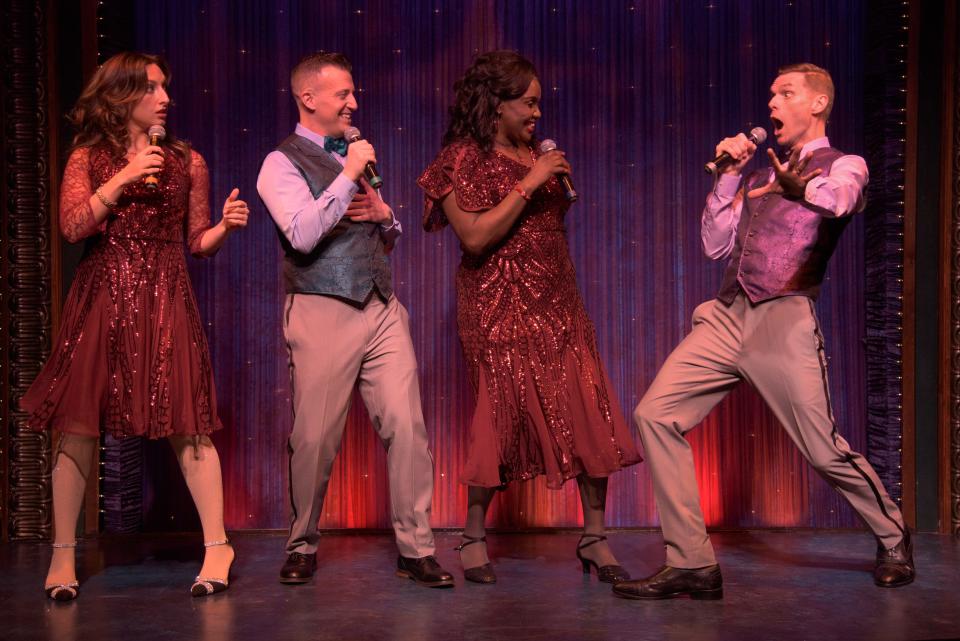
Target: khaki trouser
{"x": 777, "y": 347}
{"x": 333, "y": 345}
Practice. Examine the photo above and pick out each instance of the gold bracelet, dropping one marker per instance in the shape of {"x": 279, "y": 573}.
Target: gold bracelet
{"x": 520, "y": 190}
{"x": 109, "y": 204}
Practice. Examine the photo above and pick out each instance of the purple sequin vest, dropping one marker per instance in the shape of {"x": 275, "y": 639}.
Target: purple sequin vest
{"x": 782, "y": 245}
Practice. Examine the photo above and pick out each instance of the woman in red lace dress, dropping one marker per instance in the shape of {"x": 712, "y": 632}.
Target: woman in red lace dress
{"x": 544, "y": 402}
{"x": 131, "y": 357}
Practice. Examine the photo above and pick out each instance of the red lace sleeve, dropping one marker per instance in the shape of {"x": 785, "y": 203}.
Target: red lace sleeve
{"x": 198, "y": 218}
{"x": 76, "y": 215}
{"x": 458, "y": 168}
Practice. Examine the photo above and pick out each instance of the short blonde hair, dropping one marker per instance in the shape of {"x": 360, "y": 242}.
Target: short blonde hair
{"x": 817, "y": 78}
{"x": 314, "y": 64}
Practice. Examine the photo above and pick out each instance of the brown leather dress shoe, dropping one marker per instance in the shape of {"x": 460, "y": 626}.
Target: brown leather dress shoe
{"x": 424, "y": 571}
{"x": 299, "y": 568}
{"x": 894, "y": 566}
{"x": 701, "y": 583}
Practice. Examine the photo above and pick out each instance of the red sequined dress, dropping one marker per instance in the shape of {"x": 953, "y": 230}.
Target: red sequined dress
{"x": 131, "y": 356}
{"x": 545, "y": 404}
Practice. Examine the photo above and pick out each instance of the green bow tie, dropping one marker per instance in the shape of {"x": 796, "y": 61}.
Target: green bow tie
{"x": 335, "y": 145}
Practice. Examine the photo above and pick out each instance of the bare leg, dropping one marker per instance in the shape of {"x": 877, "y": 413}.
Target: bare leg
{"x": 200, "y": 465}
{"x": 74, "y": 459}
{"x": 593, "y": 496}
{"x": 478, "y": 501}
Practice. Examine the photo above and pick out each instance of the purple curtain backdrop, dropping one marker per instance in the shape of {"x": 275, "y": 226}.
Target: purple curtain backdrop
{"x": 637, "y": 94}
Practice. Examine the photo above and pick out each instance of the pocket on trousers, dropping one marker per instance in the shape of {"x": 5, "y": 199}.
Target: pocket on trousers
{"x": 287, "y": 309}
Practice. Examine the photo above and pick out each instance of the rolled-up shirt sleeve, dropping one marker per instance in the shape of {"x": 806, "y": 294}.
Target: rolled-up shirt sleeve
{"x": 721, "y": 215}
{"x": 843, "y": 191}
{"x": 301, "y": 218}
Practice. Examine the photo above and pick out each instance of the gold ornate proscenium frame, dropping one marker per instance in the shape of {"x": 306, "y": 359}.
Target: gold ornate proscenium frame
{"x": 950, "y": 197}
{"x": 25, "y": 265}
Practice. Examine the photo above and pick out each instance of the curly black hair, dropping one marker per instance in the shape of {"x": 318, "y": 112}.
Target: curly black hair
{"x": 494, "y": 77}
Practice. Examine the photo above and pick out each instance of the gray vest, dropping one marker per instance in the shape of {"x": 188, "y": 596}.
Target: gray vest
{"x": 349, "y": 261}
{"x": 782, "y": 246}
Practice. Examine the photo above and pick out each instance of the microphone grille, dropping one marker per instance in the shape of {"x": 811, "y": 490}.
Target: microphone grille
{"x": 351, "y": 134}
{"x": 158, "y": 131}
{"x": 548, "y": 145}
{"x": 759, "y": 135}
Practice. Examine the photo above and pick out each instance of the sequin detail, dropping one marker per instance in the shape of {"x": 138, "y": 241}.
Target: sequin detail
{"x": 544, "y": 401}
{"x": 131, "y": 356}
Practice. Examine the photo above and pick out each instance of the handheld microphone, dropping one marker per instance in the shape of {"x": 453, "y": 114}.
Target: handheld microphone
{"x": 156, "y": 133}
{"x": 757, "y": 135}
{"x": 352, "y": 134}
{"x": 568, "y": 190}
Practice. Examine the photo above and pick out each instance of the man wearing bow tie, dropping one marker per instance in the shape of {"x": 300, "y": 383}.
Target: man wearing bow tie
{"x": 342, "y": 324}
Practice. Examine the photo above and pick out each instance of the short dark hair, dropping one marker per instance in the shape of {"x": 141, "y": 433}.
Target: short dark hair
{"x": 817, "y": 78}
{"x": 314, "y": 63}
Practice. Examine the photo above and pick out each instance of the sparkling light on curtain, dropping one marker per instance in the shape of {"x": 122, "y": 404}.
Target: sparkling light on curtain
{"x": 637, "y": 93}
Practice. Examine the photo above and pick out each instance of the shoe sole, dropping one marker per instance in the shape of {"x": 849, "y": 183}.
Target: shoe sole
{"x": 62, "y": 595}
{"x": 898, "y": 584}
{"x": 447, "y": 583}
{"x": 295, "y": 581}
{"x": 199, "y": 594}
{"x": 699, "y": 595}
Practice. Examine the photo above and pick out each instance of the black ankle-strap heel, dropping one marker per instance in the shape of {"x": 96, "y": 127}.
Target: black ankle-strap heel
{"x": 205, "y": 586}
{"x": 605, "y": 573}
{"x": 480, "y": 574}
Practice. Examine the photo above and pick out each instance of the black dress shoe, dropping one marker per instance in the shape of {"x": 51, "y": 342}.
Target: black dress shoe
{"x": 702, "y": 583}
{"x": 894, "y": 566}
{"x": 299, "y": 568}
{"x": 424, "y": 571}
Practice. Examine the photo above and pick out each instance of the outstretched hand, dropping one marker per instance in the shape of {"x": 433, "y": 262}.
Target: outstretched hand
{"x": 789, "y": 179}
{"x": 235, "y": 212}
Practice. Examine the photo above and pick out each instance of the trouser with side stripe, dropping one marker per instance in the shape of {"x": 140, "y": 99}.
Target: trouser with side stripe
{"x": 777, "y": 347}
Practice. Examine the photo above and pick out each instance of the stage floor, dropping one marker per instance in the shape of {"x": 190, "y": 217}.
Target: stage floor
{"x": 778, "y": 585}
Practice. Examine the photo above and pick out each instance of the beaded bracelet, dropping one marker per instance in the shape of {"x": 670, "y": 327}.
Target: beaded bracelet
{"x": 520, "y": 190}
{"x": 109, "y": 204}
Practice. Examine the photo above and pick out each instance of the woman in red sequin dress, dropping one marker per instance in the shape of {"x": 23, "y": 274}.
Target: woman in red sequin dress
{"x": 544, "y": 402}
{"x": 131, "y": 357}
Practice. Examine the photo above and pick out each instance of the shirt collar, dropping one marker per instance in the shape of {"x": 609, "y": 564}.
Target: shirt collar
{"x": 813, "y": 145}
{"x": 312, "y": 136}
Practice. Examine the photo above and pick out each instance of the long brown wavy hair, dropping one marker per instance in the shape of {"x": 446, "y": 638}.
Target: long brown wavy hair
{"x": 494, "y": 77}
{"x": 104, "y": 108}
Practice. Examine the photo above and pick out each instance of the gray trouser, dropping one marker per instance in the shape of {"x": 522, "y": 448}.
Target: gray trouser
{"x": 332, "y": 346}
{"x": 777, "y": 347}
